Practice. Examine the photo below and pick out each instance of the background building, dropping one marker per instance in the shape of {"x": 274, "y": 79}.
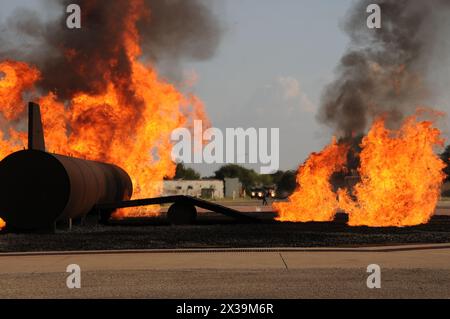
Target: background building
{"x": 208, "y": 188}
{"x": 233, "y": 187}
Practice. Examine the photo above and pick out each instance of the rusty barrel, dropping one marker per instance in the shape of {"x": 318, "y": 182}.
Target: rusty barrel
{"x": 39, "y": 188}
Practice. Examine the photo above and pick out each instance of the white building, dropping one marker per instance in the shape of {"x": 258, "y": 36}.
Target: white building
{"x": 209, "y": 189}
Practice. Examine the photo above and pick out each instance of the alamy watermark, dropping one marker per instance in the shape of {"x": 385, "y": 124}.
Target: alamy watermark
{"x": 235, "y": 145}
{"x": 374, "y": 279}
{"x": 73, "y": 20}
{"x": 374, "y": 19}
{"x": 73, "y": 281}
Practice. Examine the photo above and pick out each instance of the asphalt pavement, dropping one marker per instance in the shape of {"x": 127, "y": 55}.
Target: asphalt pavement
{"x": 406, "y": 272}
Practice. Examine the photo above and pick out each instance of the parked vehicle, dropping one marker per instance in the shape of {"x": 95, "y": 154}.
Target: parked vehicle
{"x": 260, "y": 191}
{"x": 257, "y": 193}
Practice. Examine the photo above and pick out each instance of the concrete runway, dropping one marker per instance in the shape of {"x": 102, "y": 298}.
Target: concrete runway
{"x": 406, "y": 272}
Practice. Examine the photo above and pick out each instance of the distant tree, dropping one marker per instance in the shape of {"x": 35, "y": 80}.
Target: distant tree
{"x": 247, "y": 177}
{"x": 276, "y": 177}
{"x": 187, "y": 173}
{"x": 446, "y": 158}
{"x": 287, "y": 182}
{"x": 264, "y": 179}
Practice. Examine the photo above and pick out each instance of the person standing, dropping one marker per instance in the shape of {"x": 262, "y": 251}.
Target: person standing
{"x": 264, "y": 198}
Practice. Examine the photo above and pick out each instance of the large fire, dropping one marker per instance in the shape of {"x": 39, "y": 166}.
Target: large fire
{"x": 314, "y": 198}
{"x": 128, "y": 123}
{"x": 401, "y": 179}
{"x": 401, "y": 176}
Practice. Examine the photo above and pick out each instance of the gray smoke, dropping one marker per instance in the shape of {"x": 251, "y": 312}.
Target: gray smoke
{"x": 384, "y": 72}
{"x": 176, "y": 30}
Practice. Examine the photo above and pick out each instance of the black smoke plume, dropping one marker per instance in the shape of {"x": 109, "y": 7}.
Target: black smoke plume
{"x": 384, "y": 70}
{"x": 74, "y": 60}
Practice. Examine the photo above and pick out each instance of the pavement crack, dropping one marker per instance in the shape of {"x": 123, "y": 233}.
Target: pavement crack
{"x": 284, "y": 262}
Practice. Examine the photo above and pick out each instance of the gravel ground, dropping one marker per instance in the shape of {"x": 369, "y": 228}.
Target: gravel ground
{"x": 156, "y": 234}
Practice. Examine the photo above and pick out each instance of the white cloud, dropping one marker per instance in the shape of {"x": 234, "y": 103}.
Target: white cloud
{"x": 292, "y": 92}
{"x": 290, "y": 86}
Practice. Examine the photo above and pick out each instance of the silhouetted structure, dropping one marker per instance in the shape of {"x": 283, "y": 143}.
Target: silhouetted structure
{"x": 38, "y": 189}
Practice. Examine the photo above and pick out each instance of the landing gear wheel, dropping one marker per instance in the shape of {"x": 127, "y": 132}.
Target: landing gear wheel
{"x": 182, "y": 213}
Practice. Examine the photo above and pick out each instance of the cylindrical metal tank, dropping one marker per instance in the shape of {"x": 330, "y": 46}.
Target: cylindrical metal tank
{"x": 39, "y": 188}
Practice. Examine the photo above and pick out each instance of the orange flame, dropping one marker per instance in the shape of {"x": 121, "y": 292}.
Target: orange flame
{"x": 15, "y": 77}
{"x": 314, "y": 198}
{"x": 401, "y": 176}
{"x": 2, "y": 224}
{"x": 133, "y": 133}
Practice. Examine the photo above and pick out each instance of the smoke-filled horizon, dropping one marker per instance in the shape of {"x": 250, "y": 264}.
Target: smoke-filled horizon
{"x": 76, "y": 60}
{"x": 384, "y": 71}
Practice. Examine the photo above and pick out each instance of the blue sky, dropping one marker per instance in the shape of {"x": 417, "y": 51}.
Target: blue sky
{"x": 270, "y": 69}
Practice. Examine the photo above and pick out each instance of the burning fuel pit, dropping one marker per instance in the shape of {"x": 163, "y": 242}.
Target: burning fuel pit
{"x": 208, "y": 233}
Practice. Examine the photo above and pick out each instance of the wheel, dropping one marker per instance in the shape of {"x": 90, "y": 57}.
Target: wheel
{"x": 182, "y": 213}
